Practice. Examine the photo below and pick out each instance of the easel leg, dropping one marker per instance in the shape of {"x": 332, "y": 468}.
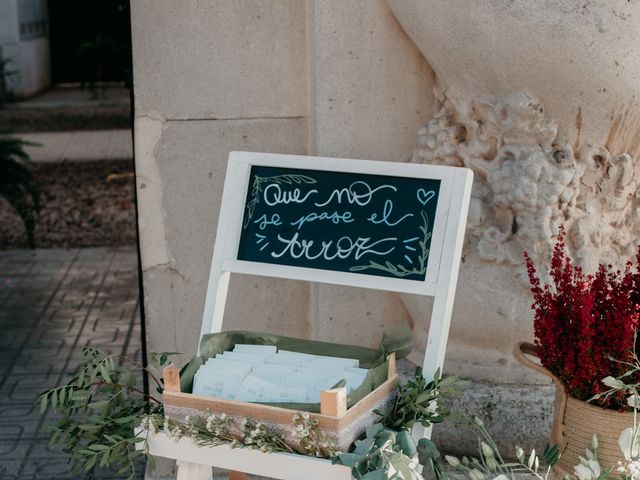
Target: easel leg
{"x": 193, "y": 471}
{"x": 237, "y": 475}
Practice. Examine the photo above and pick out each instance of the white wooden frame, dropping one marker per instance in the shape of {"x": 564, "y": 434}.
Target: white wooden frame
{"x": 440, "y": 283}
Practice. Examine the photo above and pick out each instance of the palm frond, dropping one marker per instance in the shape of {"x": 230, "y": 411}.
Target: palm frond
{"x": 17, "y": 184}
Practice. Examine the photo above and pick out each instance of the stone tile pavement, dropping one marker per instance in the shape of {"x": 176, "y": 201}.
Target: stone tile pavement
{"x": 53, "y": 302}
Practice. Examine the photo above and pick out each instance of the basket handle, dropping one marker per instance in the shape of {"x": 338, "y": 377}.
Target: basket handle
{"x": 520, "y": 352}
{"x": 522, "y": 349}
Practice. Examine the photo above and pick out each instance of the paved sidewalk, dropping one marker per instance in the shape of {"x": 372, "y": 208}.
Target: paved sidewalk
{"x": 52, "y": 302}
{"x": 65, "y": 108}
{"x": 80, "y": 145}
{"x": 74, "y": 96}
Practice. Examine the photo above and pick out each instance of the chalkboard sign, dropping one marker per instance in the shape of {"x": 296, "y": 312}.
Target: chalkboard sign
{"x": 350, "y": 222}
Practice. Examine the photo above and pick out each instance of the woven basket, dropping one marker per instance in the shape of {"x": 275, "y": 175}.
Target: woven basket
{"x": 575, "y": 422}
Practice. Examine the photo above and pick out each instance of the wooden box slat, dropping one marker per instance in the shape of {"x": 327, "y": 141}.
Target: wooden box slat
{"x": 342, "y": 428}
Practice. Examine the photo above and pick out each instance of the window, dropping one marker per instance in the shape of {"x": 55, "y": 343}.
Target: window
{"x": 32, "y": 15}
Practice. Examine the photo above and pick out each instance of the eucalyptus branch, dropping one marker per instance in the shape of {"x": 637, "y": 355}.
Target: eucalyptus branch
{"x": 127, "y": 387}
{"x": 490, "y": 460}
{"x": 162, "y": 360}
{"x": 140, "y": 366}
{"x": 101, "y": 407}
{"x": 421, "y": 401}
{"x": 221, "y": 429}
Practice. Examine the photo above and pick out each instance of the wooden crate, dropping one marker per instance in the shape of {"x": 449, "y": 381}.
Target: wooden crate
{"x": 340, "y": 425}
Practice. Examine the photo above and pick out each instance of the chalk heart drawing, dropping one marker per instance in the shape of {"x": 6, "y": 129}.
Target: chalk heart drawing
{"x": 424, "y": 196}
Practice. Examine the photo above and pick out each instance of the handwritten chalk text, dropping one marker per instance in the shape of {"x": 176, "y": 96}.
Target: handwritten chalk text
{"x": 359, "y": 193}
{"x": 342, "y": 248}
{"x": 274, "y": 195}
{"x": 264, "y": 221}
{"x": 335, "y": 217}
{"x": 386, "y": 213}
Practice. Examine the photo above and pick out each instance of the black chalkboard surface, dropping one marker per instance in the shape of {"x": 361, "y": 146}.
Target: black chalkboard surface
{"x": 369, "y": 224}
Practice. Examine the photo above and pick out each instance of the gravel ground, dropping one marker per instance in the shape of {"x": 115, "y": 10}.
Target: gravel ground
{"x": 84, "y": 204}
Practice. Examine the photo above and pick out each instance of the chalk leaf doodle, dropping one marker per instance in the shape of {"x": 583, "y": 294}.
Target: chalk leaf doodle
{"x": 400, "y": 270}
{"x": 360, "y": 223}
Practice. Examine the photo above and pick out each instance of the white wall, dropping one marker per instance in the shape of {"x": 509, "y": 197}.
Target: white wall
{"x": 34, "y": 68}
{"x": 29, "y": 56}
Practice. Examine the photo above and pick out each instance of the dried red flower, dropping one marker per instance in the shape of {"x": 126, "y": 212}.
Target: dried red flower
{"x": 582, "y": 322}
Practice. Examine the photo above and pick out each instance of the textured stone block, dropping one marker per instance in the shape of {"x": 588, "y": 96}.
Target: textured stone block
{"x": 186, "y": 176}
{"x": 223, "y": 59}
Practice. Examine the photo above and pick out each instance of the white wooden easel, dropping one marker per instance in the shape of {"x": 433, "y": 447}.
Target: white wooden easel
{"x": 194, "y": 463}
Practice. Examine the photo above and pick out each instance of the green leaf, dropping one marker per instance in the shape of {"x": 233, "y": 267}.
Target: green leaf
{"x": 363, "y": 446}
{"x": 427, "y": 450}
{"x": 424, "y": 396}
{"x": 87, "y": 427}
{"x": 341, "y": 383}
{"x": 374, "y": 429}
{"x": 385, "y": 438}
{"x": 406, "y": 443}
{"x": 104, "y": 461}
{"x": 362, "y": 467}
{"x": 104, "y": 371}
{"x": 53, "y": 439}
{"x": 79, "y": 397}
{"x": 375, "y": 475}
{"x": 408, "y": 424}
{"x": 98, "y": 448}
{"x": 124, "y": 420}
{"x": 551, "y": 454}
{"x": 404, "y": 470}
{"x": 91, "y": 463}
{"x": 349, "y": 459}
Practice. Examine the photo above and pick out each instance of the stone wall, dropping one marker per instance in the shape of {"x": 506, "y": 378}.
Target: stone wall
{"x": 326, "y": 78}
{"x": 211, "y": 77}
